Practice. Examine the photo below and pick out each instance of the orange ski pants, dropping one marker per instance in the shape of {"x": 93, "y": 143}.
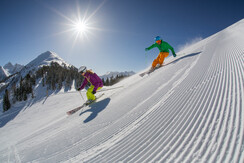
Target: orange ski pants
{"x": 160, "y": 59}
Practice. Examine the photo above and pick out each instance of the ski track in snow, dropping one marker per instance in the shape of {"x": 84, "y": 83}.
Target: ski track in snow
{"x": 191, "y": 110}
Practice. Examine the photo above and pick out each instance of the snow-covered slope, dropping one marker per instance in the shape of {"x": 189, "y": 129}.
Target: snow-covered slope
{"x": 190, "y": 110}
{"x": 3, "y": 73}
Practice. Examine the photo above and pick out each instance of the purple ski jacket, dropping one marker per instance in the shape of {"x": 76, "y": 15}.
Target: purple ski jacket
{"x": 93, "y": 79}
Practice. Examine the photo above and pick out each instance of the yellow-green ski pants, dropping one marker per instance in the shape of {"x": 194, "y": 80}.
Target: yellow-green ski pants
{"x": 89, "y": 94}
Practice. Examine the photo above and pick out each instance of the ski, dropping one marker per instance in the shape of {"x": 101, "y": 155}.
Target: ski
{"x": 75, "y": 110}
{"x": 149, "y": 71}
{"x": 144, "y": 73}
{"x": 84, "y": 105}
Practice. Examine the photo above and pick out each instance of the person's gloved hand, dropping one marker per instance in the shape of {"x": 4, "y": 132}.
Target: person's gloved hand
{"x": 174, "y": 55}
{"x": 94, "y": 92}
{"x": 78, "y": 89}
{"x": 146, "y": 49}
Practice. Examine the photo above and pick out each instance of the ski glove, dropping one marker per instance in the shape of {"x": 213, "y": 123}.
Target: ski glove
{"x": 146, "y": 49}
{"x": 174, "y": 55}
{"x": 94, "y": 92}
{"x": 78, "y": 89}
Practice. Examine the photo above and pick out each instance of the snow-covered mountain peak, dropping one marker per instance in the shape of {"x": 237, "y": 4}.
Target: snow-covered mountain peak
{"x": 12, "y": 69}
{"x": 9, "y": 65}
{"x": 46, "y": 58}
{"x": 48, "y": 55}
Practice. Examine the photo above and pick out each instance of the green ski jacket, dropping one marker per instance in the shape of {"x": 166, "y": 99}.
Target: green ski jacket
{"x": 163, "y": 47}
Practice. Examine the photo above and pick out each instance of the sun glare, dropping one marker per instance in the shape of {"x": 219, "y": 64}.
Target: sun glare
{"x": 80, "y": 27}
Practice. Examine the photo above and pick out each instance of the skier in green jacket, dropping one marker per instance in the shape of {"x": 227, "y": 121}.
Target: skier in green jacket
{"x": 163, "y": 47}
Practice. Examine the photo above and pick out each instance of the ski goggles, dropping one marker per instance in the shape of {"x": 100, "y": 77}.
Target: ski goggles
{"x": 158, "y": 41}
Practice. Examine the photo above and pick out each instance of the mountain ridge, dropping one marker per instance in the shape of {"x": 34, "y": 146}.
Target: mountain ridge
{"x": 113, "y": 74}
{"x": 12, "y": 69}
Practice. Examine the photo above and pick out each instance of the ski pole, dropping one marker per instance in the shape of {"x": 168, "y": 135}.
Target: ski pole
{"x": 81, "y": 96}
{"x": 146, "y": 57}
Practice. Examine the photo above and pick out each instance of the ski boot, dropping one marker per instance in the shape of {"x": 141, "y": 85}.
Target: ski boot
{"x": 89, "y": 102}
{"x": 151, "y": 69}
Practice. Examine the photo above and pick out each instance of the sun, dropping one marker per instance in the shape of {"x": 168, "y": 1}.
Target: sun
{"x": 80, "y": 27}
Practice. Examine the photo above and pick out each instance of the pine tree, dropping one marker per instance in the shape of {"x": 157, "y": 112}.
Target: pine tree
{"x": 68, "y": 81}
{"x": 6, "y": 102}
{"x": 33, "y": 80}
{"x": 14, "y": 90}
{"x": 25, "y": 96}
{"x": 43, "y": 82}
{"x": 103, "y": 81}
{"x": 60, "y": 83}
{"x": 107, "y": 82}
{"x": 32, "y": 94}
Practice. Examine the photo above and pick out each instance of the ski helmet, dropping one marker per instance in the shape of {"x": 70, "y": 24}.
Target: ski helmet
{"x": 82, "y": 69}
{"x": 157, "y": 38}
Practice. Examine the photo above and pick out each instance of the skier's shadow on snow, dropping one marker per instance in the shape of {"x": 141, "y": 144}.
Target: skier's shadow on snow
{"x": 95, "y": 109}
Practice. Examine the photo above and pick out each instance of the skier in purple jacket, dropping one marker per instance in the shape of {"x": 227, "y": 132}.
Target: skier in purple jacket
{"x": 94, "y": 80}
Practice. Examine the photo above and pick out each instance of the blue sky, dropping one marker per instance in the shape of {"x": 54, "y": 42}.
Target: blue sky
{"x": 119, "y": 30}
